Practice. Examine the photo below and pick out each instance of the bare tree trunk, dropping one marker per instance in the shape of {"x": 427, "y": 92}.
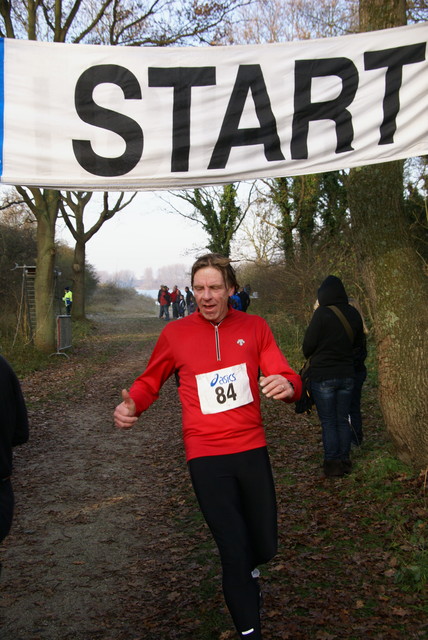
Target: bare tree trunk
{"x": 396, "y": 284}
{"x": 77, "y": 202}
{"x": 46, "y": 211}
{"x": 79, "y": 279}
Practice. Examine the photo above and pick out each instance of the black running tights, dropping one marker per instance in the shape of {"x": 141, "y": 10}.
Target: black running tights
{"x": 236, "y": 495}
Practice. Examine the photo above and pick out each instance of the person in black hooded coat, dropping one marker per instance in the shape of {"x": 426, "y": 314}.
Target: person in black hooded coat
{"x": 13, "y": 431}
{"x": 330, "y": 349}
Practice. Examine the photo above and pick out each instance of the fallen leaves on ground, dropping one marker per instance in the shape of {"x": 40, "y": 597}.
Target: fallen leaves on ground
{"x": 108, "y": 543}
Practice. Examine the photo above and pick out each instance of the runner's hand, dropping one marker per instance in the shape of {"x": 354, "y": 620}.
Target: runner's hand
{"x": 124, "y": 414}
{"x": 276, "y": 387}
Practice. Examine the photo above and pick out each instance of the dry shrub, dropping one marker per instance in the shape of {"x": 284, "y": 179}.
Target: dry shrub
{"x": 291, "y": 287}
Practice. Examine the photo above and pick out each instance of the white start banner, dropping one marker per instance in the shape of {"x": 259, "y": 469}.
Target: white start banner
{"x": 94, "y": 117}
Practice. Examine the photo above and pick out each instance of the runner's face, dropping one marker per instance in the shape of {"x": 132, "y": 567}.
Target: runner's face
{"x": 211, "y": 293}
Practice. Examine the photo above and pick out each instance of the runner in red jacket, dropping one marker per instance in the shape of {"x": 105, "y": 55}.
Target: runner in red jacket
{"x": 219, "y": 354}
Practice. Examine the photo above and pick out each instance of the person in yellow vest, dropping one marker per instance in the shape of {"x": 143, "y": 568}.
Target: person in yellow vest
{"x": 68, "y": 300}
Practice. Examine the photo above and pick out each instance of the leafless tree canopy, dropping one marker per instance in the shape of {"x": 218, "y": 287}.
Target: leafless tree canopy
{"x": 118, "y": 22}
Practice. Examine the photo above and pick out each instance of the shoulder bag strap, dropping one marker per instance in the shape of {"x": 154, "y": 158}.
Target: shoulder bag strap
{"x": 344, "y": 321}
{"x": 304, "y": 370}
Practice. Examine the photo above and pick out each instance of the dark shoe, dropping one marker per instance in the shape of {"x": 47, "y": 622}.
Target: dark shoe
{"x": 333, "y": 468}
{"x": 347, "y": 466}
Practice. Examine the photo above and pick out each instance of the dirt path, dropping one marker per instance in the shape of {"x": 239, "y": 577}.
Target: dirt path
{"x": 92, "y": 502}
{"x": 107, "y": 543}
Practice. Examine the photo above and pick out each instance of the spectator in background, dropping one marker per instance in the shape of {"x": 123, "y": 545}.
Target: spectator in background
{"x": 159, "y": 301}
{"x": 245, "y": 298}
{"x": 190, "y": 301}
{"x": 235, "y": 300}
{"x": 13, "y": 432}
{"x": 68, "y": 300}
{"x": 181, "y": 306}
{"x": 164, "y": 301}
{"x": 192, "y": 305}
{"x": 189, "y": 294}
{"x": 331, "y": 372}
{"x": 175, "y": 299}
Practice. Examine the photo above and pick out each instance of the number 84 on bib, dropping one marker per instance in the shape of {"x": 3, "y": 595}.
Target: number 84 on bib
{"x": 224, "y": 389}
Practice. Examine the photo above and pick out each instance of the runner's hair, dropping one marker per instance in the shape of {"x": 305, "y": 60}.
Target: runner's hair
{"x": 219, "y": 262}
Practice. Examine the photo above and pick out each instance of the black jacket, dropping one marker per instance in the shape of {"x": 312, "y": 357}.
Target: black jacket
{"x": 326, "y": 341}
{"x": 13, "y": 417}
{"x": 245, "y": 300}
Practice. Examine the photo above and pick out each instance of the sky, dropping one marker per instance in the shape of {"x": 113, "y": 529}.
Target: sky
{"x": 147, "y": 233}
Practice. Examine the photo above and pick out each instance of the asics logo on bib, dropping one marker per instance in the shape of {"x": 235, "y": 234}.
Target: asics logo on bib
{"x": 224, "y": 389}
{"x": 231, "y": 377}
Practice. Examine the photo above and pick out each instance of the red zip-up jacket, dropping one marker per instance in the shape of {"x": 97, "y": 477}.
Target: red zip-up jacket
{"x": 195, "y": 346}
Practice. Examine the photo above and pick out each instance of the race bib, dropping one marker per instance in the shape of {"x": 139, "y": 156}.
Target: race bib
{"x": 224, "y": 389}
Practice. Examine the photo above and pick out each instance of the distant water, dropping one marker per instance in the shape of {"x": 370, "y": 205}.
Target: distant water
{"x": 150, "y": 293}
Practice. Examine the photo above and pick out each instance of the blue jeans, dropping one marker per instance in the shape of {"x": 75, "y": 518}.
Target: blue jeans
{"x": 333, "y": 400}
{"x": 164, "y": 311}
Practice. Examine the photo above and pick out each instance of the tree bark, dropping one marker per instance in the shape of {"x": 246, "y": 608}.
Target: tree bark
{"x": 396, "y": 284}
{"x": 79, "y": 265}
{"x": 77, "y": 203}
{"x": 113, "y": 22}
{"x": 46, "y": 211}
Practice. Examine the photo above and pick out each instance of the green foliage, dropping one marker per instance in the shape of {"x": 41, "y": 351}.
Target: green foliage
{"x": 289, "y": 336}
{"x": 416, "y": 210}
{"x": 317, "y": 239}
{"x": 310, "y": 208}
{"x": 23, "y": 356}
{"x": 383, "y": 479}
{"x": 18, "y": 247}
{"x": 415, "y": 576}
{"x": 333, "y": 202}
{"x": 83, "y": 329}
{"x": 379, "y": 469}
{"x": 292, "y": 286}
{"x": 306, "y": 193}
{"x": 219, "y": 214}
{"x": 108, "y": 298}
{"x": 64, "y": 257}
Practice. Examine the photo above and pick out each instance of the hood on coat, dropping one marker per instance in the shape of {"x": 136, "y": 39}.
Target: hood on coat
{"x": 332, "y": 291}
